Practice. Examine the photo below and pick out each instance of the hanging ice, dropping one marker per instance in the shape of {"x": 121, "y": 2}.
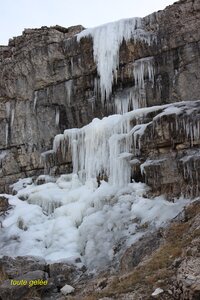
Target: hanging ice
{"x": 8, "y": 108}
{"x": 106, "y": 44}
{"x": 68, "y": 87}
{"x": 143, "y": 67}
{"x": 12, "y": 116}
{"x": 103, "y": 147}
{"x": 7, "y": 133}
{"x": 35, "y": 99}
{"x": 57, "y": 116}
{"x": 94, "y": 145}
{"x": 135, "y": 97}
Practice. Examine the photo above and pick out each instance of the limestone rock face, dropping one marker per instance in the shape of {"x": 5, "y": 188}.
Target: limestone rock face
{"x": 169, "y": 153}
{"x": 48, "y": 83}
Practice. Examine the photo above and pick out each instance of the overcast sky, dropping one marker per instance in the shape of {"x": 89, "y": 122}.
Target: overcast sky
{"x": 15, "y": 15}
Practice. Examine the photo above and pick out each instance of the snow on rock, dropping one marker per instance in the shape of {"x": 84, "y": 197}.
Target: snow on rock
{"x": 157, "y": 292}
{"x": 21, "y": 183}
{"x": 3, "y": 155}
{"x": 67, "y": 289}
{"x": 106, "y": 43}
{"x": 150, "y": 162}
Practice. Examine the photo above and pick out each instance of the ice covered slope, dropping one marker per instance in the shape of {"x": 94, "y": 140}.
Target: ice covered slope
{"x": 77, "y": 222}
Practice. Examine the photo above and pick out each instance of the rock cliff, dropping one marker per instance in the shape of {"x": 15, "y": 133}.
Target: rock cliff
{"x": 51, "y": 81}
{"x": 58, "y": 78}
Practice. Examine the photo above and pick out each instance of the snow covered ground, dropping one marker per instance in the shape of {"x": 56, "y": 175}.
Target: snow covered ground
{"x": 68, "y": 220}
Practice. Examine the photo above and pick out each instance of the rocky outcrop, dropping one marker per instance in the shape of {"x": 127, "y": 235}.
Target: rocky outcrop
{"x": 168, "y": 152}
{"x": 27, "y": 277}
{"x": 49, "y": 83}
{"x": 3, "y": 205}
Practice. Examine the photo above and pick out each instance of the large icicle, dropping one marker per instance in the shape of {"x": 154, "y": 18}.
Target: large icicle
{"x": 106, "y": 43}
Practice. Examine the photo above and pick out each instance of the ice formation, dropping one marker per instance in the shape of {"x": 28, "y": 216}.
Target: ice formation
{"x": 12, "y": 117}
{"x": 142, "y": 67}
{"x": 74, "y": 217}
{"x": 57, "y": 116}
{"x": 135, "y": 97}
{"x": 3, "y": 154}
{"x": 107, "y": 40}
{"x": 186, "y": 123}
{"x": 67, "y": 220}
{"x": 191, "y": 165}
{"x": 104, "y": 147}
{"x": 8, "y": 109}
{"x": 35, "y": 100}
{"x": 68, "y": 87}
{"x": 7, "y": 132}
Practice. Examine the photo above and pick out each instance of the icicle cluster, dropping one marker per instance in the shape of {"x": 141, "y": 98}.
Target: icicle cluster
{"x": 143, "y": 69}
{"x": 103, "y": 147}
{"x": 191, "y": 165}
{"x": 99, "y": 149}
{"x": 183, "y": 125}
{"x": 106, "y": 43}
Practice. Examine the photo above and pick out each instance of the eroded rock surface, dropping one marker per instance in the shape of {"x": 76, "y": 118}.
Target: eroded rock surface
{"x": 24, "y": 277}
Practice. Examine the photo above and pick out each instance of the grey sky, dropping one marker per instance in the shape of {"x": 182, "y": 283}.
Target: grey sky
{"x": 15, "y": 15}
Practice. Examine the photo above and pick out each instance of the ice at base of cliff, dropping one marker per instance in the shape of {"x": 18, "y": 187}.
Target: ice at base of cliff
{"x": 72, "y": 218}
{"x": 67, "y": 220}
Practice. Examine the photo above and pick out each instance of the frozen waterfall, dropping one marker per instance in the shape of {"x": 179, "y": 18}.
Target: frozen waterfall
{"x": 104, "y": 147}
{"x": 107, "y": 40}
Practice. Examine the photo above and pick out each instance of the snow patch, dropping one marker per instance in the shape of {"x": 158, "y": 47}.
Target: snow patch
{"x": 157, "y": 292}
{"x": 67, "y": 289}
